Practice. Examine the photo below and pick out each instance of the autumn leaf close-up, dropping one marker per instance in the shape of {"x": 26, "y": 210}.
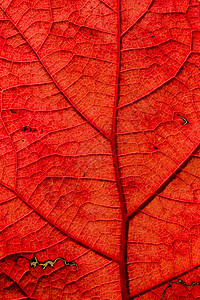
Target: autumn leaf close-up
{"x": 99, "y": 149}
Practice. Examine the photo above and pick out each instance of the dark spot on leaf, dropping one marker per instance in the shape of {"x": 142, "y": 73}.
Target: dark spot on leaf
{"x": 155, "y": 147}
{"x": 28, "y": 129}
{"x": 132, "y": 185}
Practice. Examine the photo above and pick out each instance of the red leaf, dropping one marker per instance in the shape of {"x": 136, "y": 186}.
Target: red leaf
{"x": 99, "y": 156}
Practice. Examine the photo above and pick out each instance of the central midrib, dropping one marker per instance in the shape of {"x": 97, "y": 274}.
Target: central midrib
{"x": 122, "y": 263}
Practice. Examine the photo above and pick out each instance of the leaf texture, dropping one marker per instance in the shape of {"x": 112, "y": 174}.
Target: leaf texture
{"x": 100, "y": 155}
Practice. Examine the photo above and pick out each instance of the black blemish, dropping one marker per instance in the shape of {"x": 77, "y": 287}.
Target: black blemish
{"x": 28, "y": 129}
{"x": 155, "y": 147}
{"x": 13, "y": 111}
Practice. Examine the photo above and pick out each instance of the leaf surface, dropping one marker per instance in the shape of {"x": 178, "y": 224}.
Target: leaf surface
{"x": 99, "y": 156}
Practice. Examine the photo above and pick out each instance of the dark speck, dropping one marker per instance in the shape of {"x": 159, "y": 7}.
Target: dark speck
{"x": 28, "y": 129}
